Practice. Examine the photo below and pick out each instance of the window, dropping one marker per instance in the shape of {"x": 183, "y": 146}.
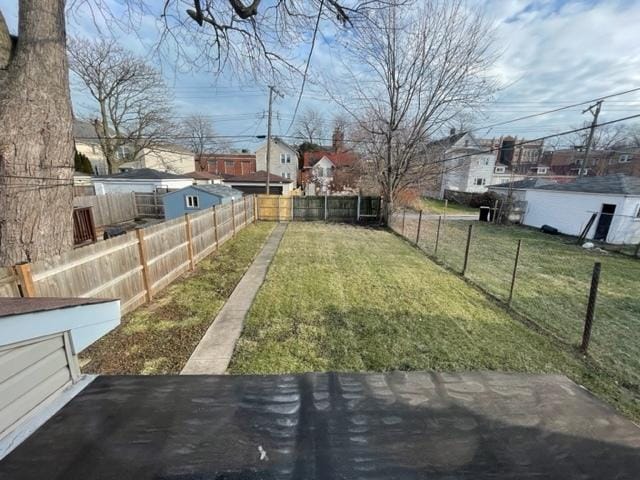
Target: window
{"x": 479, "y": 181}
{"x": 122, "y": 152}
{"x": 624, "y": 158}
{"x": 192, "y": 201}
{"x": 285, "y": 158}
{"x": 500, "y": 169}
{"x": 542, "y": 170}
{"x": 486, "y": 161}
{"x": 228, "y": 166}
{"x": 286, "y": 175}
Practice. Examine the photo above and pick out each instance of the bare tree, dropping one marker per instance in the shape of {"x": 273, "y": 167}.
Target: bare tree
{"x": 417, "y": 68}
{"x": 198, "y": 135}
{"x": 310, "y": 126}
{"x": 36, "y": 143}
{"x": 132, "y": 112}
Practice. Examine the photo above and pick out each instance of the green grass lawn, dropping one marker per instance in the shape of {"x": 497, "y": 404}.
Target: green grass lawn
{"x": 552, "y": 286}
{"x": 159, "y": 337}
{"x": 342, "y": 298}
{"x": 436, "y": 207}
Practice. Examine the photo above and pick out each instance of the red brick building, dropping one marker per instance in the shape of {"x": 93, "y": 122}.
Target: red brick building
{"x": 227, "y": 164}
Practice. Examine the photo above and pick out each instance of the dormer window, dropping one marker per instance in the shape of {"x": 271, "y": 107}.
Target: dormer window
{"x": 500, "y": 169}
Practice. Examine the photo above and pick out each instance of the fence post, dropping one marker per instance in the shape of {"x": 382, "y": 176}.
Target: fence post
{"x": 435, "y": 251}
{"x": 255, "y": 208}
{"x": 215, "y": 225}
{"x": 279, "y": 210}
{"x": 142, "y": 251}
{"x": 94, "y": 237}
{"x": 187, "y": 223}
{"x": 325, "y": 207}
{"x": 135, "y": 206}
{"x": 27, "y": 288}
{"x": 466, "y": 250}
{"x": 404, "y": 214}
{"x": 515, "y": 272}
{"x": 233, "y": 218}
{"x": 591, "y": 307}
{"x": 419, "y": 227}
{"x": 358, "y": 209}
{"x": 244, "y": 204}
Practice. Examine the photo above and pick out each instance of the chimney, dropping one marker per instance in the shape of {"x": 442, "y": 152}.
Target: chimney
{"x": 452, "y": 132}
{"x": 337, "y": 139}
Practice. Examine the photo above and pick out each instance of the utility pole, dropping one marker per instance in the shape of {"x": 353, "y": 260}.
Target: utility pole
{"x": 272, "y": 89}
{"x": 595, "y": 114}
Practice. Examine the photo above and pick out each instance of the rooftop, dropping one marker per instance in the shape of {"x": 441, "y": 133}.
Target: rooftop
{"x": 217, "y": 190}
{"x": 524, "y": 184}
{"x": 400, "y": 425}
{"x": 203, "y": 175}
{"x": 146, "y": 174}
{"x": 618, "y": 184}
{"x": 21, "y": 306}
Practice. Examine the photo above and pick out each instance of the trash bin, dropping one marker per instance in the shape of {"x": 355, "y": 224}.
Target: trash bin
{"x": 484, "y": 214}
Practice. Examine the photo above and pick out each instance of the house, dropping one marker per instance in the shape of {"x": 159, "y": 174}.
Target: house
{"x": 40, "y": 339}
{"x": 326, "y": 171}
{"x": 615, "y": 199}
{"x": 167, "y": 157}
{"x": 471, "y": 164}
{"x": 197, "y": 197}
{"x": 624, "y": 160}
{"x": 144, "y": 180}
{"x": 87, "y": 143}
{"x": 204, "y": 178}
{"x": 257, "y": 183}
{"x": 223, "y": 164}
{"x": 284, "y": 160}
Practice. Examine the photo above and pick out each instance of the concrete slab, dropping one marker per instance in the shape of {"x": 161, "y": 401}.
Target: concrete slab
{"x": 213, "y": 353}
{"x": 329, "y": 426}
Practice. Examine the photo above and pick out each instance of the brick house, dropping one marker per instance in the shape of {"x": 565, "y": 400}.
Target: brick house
{"x": 571, "y": 161}
{"x": 232, "y": 164}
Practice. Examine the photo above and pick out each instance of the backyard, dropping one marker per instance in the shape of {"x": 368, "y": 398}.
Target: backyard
{"x": 343, "y": 298}
{"x": 159, "y": 337}
{"x": 552, "y": 285}
{"x": 434, "y": 206}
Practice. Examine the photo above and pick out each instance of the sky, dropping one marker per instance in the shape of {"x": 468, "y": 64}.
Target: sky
{"x": 550, "y": 53}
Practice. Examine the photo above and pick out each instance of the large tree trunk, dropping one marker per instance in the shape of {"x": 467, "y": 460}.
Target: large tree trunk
{"x": 36, "y": 144}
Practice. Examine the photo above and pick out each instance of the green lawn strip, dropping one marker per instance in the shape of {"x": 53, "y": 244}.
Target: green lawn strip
{"x": 552, "y": 287}
{"x": 436, "y": 207}
{"x": 159, "y": 337}
{"x": 342, "y": 298}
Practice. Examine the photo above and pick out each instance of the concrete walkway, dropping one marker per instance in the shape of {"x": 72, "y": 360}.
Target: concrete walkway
{"x": 213, "y": 353}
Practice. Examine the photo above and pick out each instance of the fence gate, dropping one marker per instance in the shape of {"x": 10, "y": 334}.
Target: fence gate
{"x": 275, "y": 207}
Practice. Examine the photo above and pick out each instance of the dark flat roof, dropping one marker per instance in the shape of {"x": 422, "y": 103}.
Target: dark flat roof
{"x": 20, "y": 306}
{"x": 257, "y": 177}
{"x": 616, "y": 184}
{"x": 331, "y": 426}
{"x": 145, "y": 174}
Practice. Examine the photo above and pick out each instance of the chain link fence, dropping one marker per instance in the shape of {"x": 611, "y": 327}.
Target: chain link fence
{"x": 546, "y": 279}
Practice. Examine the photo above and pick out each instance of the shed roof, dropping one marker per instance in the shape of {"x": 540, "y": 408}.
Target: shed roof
{"x": 20, "y": 306}
{"x": 218, "y": 190}
{"x": 618, "y": 184}
{"x": 147, "y": 174}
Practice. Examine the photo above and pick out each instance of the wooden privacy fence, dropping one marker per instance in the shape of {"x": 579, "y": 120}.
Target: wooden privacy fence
{"x": 110, "y": 208}
{"x": 133, "y": 267}
{"x": 149, "y": 204}
{"x": 275, "y": 207}
{"x": 330, "y": 208}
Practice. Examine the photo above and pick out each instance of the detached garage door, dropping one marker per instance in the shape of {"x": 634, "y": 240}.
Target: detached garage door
{"x": 250, "y": 190}
{"x": 30, "y": 373}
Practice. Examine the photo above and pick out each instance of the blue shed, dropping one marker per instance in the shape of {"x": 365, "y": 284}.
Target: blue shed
{"x": 197, "y": 197}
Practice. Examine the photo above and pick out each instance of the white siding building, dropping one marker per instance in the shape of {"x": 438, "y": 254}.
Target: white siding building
{"x": 615, "y": 199}
{"x": 144, "y": 180}
{"x": 284, "y": 160}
